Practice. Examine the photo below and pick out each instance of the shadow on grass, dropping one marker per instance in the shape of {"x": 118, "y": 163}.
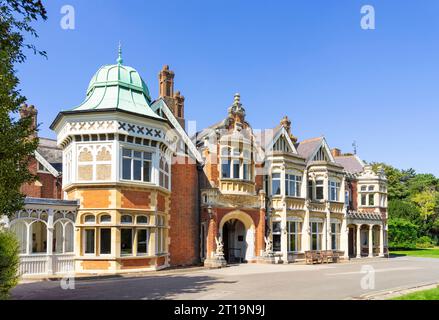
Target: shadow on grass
{"x": 406, "y": 252}
{"x": 140, "y": 288}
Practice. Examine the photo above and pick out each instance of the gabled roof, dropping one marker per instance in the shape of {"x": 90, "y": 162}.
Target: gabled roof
{"x": 350, "y": 163}
{"x": 309, "y": 148}
{"x": 160, "y": 107}
{"x": 49, "y": 155}
{"x": 279, "y": 132}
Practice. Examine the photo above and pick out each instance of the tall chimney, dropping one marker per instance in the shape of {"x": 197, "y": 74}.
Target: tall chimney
{"x": 336, "y": 152}
{"x": 30, "y": 111}
{"x": 166, "y": 78}
{"x": 175, "y": 101}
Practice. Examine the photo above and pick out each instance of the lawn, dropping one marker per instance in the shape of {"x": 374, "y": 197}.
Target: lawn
{"x": 425, "y": 253}
{"x": 432, "y": 294}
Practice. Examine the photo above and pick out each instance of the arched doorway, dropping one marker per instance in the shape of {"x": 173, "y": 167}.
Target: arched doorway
{"x": 238, "y": 233}
{"x": 235, "y": 244}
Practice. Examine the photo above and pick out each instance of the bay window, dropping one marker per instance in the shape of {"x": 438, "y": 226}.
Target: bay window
{"x": 136, "y": 165}
{"x": 163, "y": 173}
{"x": 235, "y": 164}
{"x": 334, "y": 190}
{"x": 161, "y": 241}
{"x": 126, "y": 241}
{"x": 319, "y": 190}
{"x": 276, "y": 232}
{"x": 335, "y": 236}
{"x": 275, "y": 184}
{"x": 89, "y": 241}
{"x": 294, "y": 236}
{"x": 105, "y": 241}
{"x": 292, "y": 185}
{"x": 225, "y": 168}
{"x": 316, "y": 235}
{"x": 142, "y": 242}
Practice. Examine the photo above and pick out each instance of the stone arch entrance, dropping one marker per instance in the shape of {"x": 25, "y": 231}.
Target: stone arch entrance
{"x": 238, "y": 233}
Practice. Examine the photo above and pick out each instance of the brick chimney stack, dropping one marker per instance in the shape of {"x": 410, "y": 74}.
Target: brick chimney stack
{"x": 336, "y": 152}
{"x": 166, "y": 78}
{"x": 175, "y": 101}
{"x": 30, "y": 111}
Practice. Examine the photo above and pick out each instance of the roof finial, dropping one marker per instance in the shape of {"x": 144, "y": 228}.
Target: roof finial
{"x": 119, "y": 58}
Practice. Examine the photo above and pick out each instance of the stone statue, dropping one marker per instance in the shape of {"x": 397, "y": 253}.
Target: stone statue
{"x": 219, "y": 247}
{"x": 268, "y": 246}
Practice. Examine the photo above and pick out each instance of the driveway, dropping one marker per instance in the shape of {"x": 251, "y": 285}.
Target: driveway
{"x": 250, "y": 281}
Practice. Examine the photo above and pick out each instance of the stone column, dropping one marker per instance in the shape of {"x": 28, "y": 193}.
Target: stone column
{"x": 284, "y": 235}
{"x": 305, "y": 229}
{"x": 381, "y": 241}
{"x": 50, "y": 242}
{"x": 344, "y": 237}
{"x": 370, "y": 241}
{"x": 328, "y": 230}
{"x": 358, "y": 240}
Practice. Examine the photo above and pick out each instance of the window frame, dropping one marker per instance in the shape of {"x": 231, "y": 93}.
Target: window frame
{"x": 146, "y": 156}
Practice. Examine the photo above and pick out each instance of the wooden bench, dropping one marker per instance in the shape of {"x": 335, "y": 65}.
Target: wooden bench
{"x": 312, "y": 257}
{"x": 330, "y": 256}
{"x": 325, "y": 256}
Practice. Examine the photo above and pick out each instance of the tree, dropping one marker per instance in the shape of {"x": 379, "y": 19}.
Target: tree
{"x": 396, "y": 180}
{"x": 427, "y": 201}
{"x": 16, "y": 146}
{"x": 402, "y": 234}
{"x": 9, "y": 262}
{"x": 422, "y": 182}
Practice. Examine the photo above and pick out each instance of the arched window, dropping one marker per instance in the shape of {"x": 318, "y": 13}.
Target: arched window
{"x": 126, "y": 219}
{"x": 19, "y": 228}
{"x": 89, "y": 219}
{"x": 38, "y": 237}
{"x": 164, "y": 173}
{"x": 142, "y": 220}
{"x": 58, "y": 237}
{"x": 105, "y": 218}
{"x": 69, "y": 237}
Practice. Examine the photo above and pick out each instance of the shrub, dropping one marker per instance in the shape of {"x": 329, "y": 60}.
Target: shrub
{"x": 402, "y": 234}
{"x": 9, "y": 262}
{"x": 424, "y": 242}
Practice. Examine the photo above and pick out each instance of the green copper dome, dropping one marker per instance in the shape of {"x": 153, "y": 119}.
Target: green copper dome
{"x": 118, "y": 87}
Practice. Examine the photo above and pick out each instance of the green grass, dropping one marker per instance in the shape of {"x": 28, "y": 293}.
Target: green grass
{"x": 425, "y": 253}
{"x": 432, "y": 294}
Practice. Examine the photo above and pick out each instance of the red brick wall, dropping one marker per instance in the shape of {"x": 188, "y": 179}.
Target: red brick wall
{"x": 135, "y": 199}
{"x": 48, "y": 186}
{"x": 354, "y": 195}
{"x": 184, "y": 223}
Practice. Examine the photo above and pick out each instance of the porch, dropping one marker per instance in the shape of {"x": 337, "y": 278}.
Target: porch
{"x": 45, "y": 231}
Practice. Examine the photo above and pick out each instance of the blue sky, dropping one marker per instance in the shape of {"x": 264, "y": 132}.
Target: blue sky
{"x": 306, "y": 59}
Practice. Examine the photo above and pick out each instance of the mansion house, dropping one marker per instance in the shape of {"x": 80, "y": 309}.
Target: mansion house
{"x": 124, "y": 188}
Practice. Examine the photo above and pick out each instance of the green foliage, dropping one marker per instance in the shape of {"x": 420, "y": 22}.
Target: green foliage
{"x": 427, "y": 202}
{"x": 402, "y": 234}
{"x": 9, "y": 261}
{"x": 415, "y": 198}
{"x": 16, "y": 148}
{"x": 404, "y": 209}
{"x": 424, "y": 242}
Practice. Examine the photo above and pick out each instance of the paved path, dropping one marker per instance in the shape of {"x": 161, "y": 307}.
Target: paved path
{"x": 249, "y": 281}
